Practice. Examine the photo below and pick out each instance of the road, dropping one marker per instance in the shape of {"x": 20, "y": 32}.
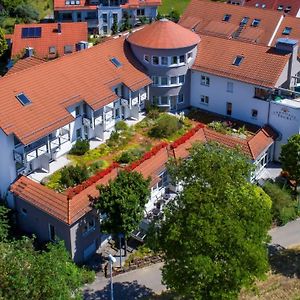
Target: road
{"x": 287, "y": 235}
{"x": 129, "y": 286}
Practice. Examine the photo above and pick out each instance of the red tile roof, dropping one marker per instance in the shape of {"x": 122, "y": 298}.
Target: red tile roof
{"x": 69, "y": 210}
{"x": 164, "y": 34}
{"x": 274, "y": 4}
{"x": 23, "y": 64}
{"x": 71, "y": 34}
{"x": 83, "y": 5}
{"x": 207, "y": 11}
{"x": 57, "y": 84}
{"x": 131, "y": 4}
{"x": 260, "y": 66}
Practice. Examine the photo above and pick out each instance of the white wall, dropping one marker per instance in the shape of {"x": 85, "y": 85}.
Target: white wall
{"x": 242, "y": 98}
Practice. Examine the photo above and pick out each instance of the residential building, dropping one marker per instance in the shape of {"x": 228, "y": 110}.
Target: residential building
{"x": 101, "y": 14}
{"x": 48, "y": 40}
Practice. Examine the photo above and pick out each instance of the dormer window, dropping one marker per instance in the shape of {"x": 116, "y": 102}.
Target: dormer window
{"x": 288, "y": 9}
{"x": 255, "y": 22}
{"x": 238, "y": 60}
{"x": 280, "y": 7}
{"x": 257, "y": 5}
{"x": 263, "y": 6}
{"x": 226, "y": 18}
{"x": 287, "y": 30}
{"x": 244, "y": 21}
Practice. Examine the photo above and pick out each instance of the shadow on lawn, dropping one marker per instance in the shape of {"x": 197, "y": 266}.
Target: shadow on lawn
{"x": 284, "y": 261}
{"x": 122, "y": 291}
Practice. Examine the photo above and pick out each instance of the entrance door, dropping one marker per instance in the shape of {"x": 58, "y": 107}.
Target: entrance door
{"x": 173, "y": 100}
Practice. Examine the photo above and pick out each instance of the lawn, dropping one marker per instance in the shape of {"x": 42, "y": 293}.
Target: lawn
{"x": 169, "y": 5}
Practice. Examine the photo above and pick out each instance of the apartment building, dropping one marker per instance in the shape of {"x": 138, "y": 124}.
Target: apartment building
{"x": 102, "y": 14}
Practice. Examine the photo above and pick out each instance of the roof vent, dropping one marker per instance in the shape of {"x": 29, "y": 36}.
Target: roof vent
{"x": 238, "y": 60}
{"x": 23, "y": 99}
{"x": 116, "y": 62}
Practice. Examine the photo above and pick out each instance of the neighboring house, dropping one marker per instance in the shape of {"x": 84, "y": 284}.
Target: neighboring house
{"x": 25, "y": 63}
{"x": 101, "y": 14}
{"x": 48, "y": 40}
{"x": 47, "y": 107}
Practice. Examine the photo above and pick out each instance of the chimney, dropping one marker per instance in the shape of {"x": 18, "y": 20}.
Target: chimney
{"x": 28, "y": 52}
{"x": 58, "y": 27}
{"x": 286, "y": 45}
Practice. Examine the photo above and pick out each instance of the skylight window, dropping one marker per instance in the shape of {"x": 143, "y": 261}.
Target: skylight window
{"x": 23, "y": 99}
{"x": 280, "y": 7}
{"x": 287, "y": 30}
{"x": 238, "y": 60}
{"x": 226, "y": 18}
{"x": 263, "y": 6}
{"x": 257, "y": 5}
{"x": 31, "y": 32}
{"x": 255, "y": 22}
{"x": 116, "y": 62}
{"x": 245, "y": 21}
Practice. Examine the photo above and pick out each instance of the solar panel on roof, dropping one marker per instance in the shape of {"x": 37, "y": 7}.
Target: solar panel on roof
{"x": 116, "y": 62}
{"x": 31, "y": 32}
{"x": 23, "y": 99}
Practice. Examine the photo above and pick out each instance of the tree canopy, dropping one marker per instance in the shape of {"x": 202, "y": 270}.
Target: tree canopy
{"x": 290, "y": 158}
{"x": 26, "y": 273}
{"x": 3, "y": 43}
{"x": 214, "y": 235}
{"x": 123, "y": 201}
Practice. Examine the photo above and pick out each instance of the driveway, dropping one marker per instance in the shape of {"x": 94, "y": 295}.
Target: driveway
{"x": 287, "y": 235}
{"x": 133, "y": 285}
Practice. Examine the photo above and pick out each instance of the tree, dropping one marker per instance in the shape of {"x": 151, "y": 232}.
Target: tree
{"x": 214, "y": 235}
{"x": 174, "y": 16}
{"x": 115, "y": 27}
{"x": 3, "y": 43}
{"x": 290, "y": 158}
{"x": 123, "y": 201}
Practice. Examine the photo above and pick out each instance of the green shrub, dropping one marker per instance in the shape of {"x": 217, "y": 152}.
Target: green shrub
{"x": 113, "y": 140}
{"x": 283, "y": 206}
{"x": 129, "y": 156}
{"x": 165, "y": 126}
{"x": 94, "y": 167}
{"x": 121, "y": 126}
{"x": 80, "y": 147}
{"x": 73, "y": 175}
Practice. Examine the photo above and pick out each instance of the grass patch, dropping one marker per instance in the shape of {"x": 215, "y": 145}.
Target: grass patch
{"x": 169, "y": 5}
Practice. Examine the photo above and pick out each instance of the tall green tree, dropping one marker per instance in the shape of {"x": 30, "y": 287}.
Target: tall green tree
{"x": 290, "y": 158}
{"x": 123, "y": 202}
{"x": 214, "y": 235}
{"x": 3, "y": 43}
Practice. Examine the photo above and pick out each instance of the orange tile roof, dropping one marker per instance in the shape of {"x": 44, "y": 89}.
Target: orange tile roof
{"x": 219, "y": 28}
{"x": 261, "y": 65}
{"x": 69, "y": 210}
{"x": 71, "y": 34}
{"x": 291, "y": 22}
{"x": 84, "y": 5}
{"x": 23, "y": 64}
{"x": 274, "y": 4}
{"x": 207, "y": 11}
{"x": 131, "y": 4}
{"x": 163, "y": 34}
{"x": 57, "y": 84}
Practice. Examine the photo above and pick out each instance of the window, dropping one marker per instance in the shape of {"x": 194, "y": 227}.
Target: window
{"x": 189, "y": 56}
{"x": 164, "y": 60}
{"x": 204, "y": 99}
{"x": 181, "y": 59}
{"x": 238, "y": 60}
{"x": 288, "y": 9}
{"x": 205, "y": 80}
{"x": 104, "y": 28}
{"x": 52, "y": 50}
{"x": 52, "y": 234}
{"x": 280, "y": 7}
{"x": 89, "y": 226}
{"x": 104, "y": 18}
{"x": 24, "y": 212}
{"x": 68, "y": 49}
{"x": 261, "y": 93}
{"x": 116, "y": 62}
{"x": 155, "y": 100}
{"x": 230, "y": 87}
{"x": 254, "y": 113}
{"x": 147, "y": 58}
{"x": 164, "y": 80}
{"x": 229, "y": 108}
{"x": 226, "y": 18}
{"x": 117, "y": 113}
{"x": 164, "y": 100}
{"x": 173, "y": 80}
{"x": 287, "y": 30}
{"x": 181, "y": 79}
{"x": 180, "y": 98}
{"x": 78, "y": 134}
{"x": 255, "y": 22}
{"x": 77, "y": 111}
{"x": 23, "y": 99}
{"x": 155, "y": 80}
{"x": 155, "y": 60}
{"x": 140, "y": 12}
{"x": 244, "y": 21}
{"x": 174, "y": 60}
{"x": 115, "y": 17}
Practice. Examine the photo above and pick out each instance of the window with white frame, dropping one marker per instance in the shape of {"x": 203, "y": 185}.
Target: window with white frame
{"x": 180, "y": 98}
{"x": 205, "y": 80}
{"x": 174, "y": 60}
{"x": 182, "y": 59}
{"x": 189, "y": 56}
{"x": 173, "y": 80}
{"x": 78, "y": 134}
{"x": 164, "y": 80}
{"x": 147, "y": 58}
{"x": 77, "y": 111}
{"x": 204, "y": 99}
{"x": 155, "y": 60}
{"x": 89, "y": 226}
{"x": 164, "y": 100}
{"x": 181, "y": 79}
{"x": 155, "y": 80}
{"x": 230, "y": 87}
{"x": 164, "y": 60}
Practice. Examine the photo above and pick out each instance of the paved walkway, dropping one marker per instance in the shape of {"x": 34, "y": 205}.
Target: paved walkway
{"x": 133, "y": 285}
{"x": 287, "y": 235}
